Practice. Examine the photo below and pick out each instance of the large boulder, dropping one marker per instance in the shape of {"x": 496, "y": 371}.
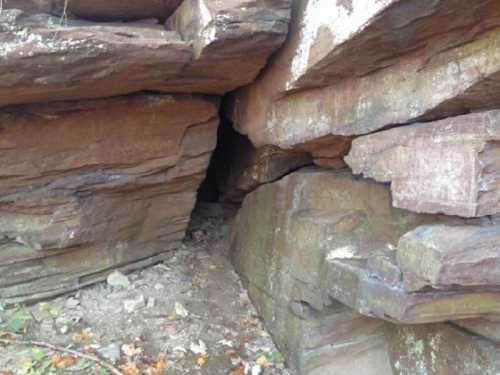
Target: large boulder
{"x": 316, "y": 235}
{"x": 354, "y": 67}
{"x": 232, "y": 42}
{"x": 282, "y": 260}
{"x": 441, "y": 349}
{"x": 44, "y": 60}
{"x": 449, "y": 166}
{"x": 91, "y": 186}
{"x": 207, "y": 50}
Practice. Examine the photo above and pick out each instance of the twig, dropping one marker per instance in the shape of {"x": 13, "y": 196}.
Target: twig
{"x": 64, "y": 15}
{"x": 74, "y": 353}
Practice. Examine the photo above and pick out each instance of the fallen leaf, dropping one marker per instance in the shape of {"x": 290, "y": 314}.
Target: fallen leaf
{"x": 83, "y": 336}
{"x": 238, "y": 370}
{"x": 61, "y": 361}
{"x": 131, "y": 350}
{"x": 130, "y": 368}
{"x": 262, "y": 361}
{"x": 202, "y": 359}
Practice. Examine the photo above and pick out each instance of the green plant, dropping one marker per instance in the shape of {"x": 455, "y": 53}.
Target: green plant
{"x": 18, "y": 320}
{"x": 40, "y": 364}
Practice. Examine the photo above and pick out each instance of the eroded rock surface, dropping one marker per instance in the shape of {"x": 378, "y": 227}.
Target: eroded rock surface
{"x": 85, "y": 188}
{"x": 208, "y": 50}
{"x": 281, "y": 259}
{"x": 450, "y": 166}
{"x": 340, "y": 236}
{"x": 42, "y": 60}
{"x": 444, "y": 256}
{"x": 405, "y": 70}
{"x": 109, "y": 10}
{"x": 438, "y": 349}
{"x": 232, "y": 42}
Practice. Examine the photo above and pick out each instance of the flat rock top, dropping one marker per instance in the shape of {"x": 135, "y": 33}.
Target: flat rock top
{"x": 99, "y": 10}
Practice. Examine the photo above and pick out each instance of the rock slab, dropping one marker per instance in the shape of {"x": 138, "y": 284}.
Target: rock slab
{"x": 91, "y": 186}
{"x": 450, "y": 166}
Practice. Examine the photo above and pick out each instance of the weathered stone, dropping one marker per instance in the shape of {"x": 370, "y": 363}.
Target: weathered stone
{"x": 224, "y": 47}
{"x": 328, "y": 235}
{"x": 98, "y": 9}
{"x": 241, "y": 168}
{"x": 487, "y": 327}
{"x": 441, "y": 349}
{"x": 232, "y": 42}
{"x": 90, "y": 186}
{"x": 444, "y": 257}
{"x": 449, "y": 166}
{"x": 281, "y": 258}
{"x": 449, "y": 74}
{"x": 41, "y": 60}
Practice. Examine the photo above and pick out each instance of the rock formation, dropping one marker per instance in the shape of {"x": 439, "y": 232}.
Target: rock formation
{"x": 456, "y": 160}
{"x": 109, "y": 113}
{"x": 90, "y": 189}
{"x": 106, "y": 132}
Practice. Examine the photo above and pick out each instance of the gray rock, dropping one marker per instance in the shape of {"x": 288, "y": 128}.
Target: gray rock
{"x": 132, "y": 305}
{"x": 118, "y": 279}
{"x": 110, "y": 352}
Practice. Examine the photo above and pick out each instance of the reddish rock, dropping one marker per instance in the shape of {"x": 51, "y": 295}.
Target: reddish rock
{"x": 450, "y": 166}
{"x": 41, "y": 60}
{"x": 91, "y": 186}
{"x": 241, "y": 168}
{"x": 280, "y": 256}
{"x": 232, "y": 42}
{"x": 373, "y": 64}
{"x": 119, "y": 10}
{"x": 446, "y": 256}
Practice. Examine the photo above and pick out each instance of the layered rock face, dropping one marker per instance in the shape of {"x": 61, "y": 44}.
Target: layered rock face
{"x": 91, "y": 189}
{"x": 281, "y": 255}
{"x": 208, "y": 51}
{"x": 358, "y": 66}
{"x": 456, "y": 160}
{"x": 317, "y": 237}
{"x": 411, "y": 87}
{"x": 97, "y": 174}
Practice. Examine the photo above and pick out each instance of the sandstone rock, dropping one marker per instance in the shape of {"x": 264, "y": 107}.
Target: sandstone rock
{"x": 450, "y": 166}
{"x": 318, "y": 235}
{"x": 439, "y": 349}
{"x": 97, "y": 9}
{"x": 241, "y": 168}
{"x": 43, "y": 60}
{"x": 445, "y": 74}
{"x": 232, "y": 41}
{"x": 444, "y": 256}
{"x": 281, "y": 260}
{"x": 487, "y": 327}
{"x": 91, "y": 186}
{"x": 118, "y": 9}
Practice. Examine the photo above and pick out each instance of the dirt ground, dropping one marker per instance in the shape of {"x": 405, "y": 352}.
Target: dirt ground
{"x": 187, "y": 315}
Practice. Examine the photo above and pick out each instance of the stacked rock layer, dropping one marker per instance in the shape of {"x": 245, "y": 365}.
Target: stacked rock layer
{"x": 391, "y": 265}
{"x": 109, "y": 114}
{"x": 368, "y": 163}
